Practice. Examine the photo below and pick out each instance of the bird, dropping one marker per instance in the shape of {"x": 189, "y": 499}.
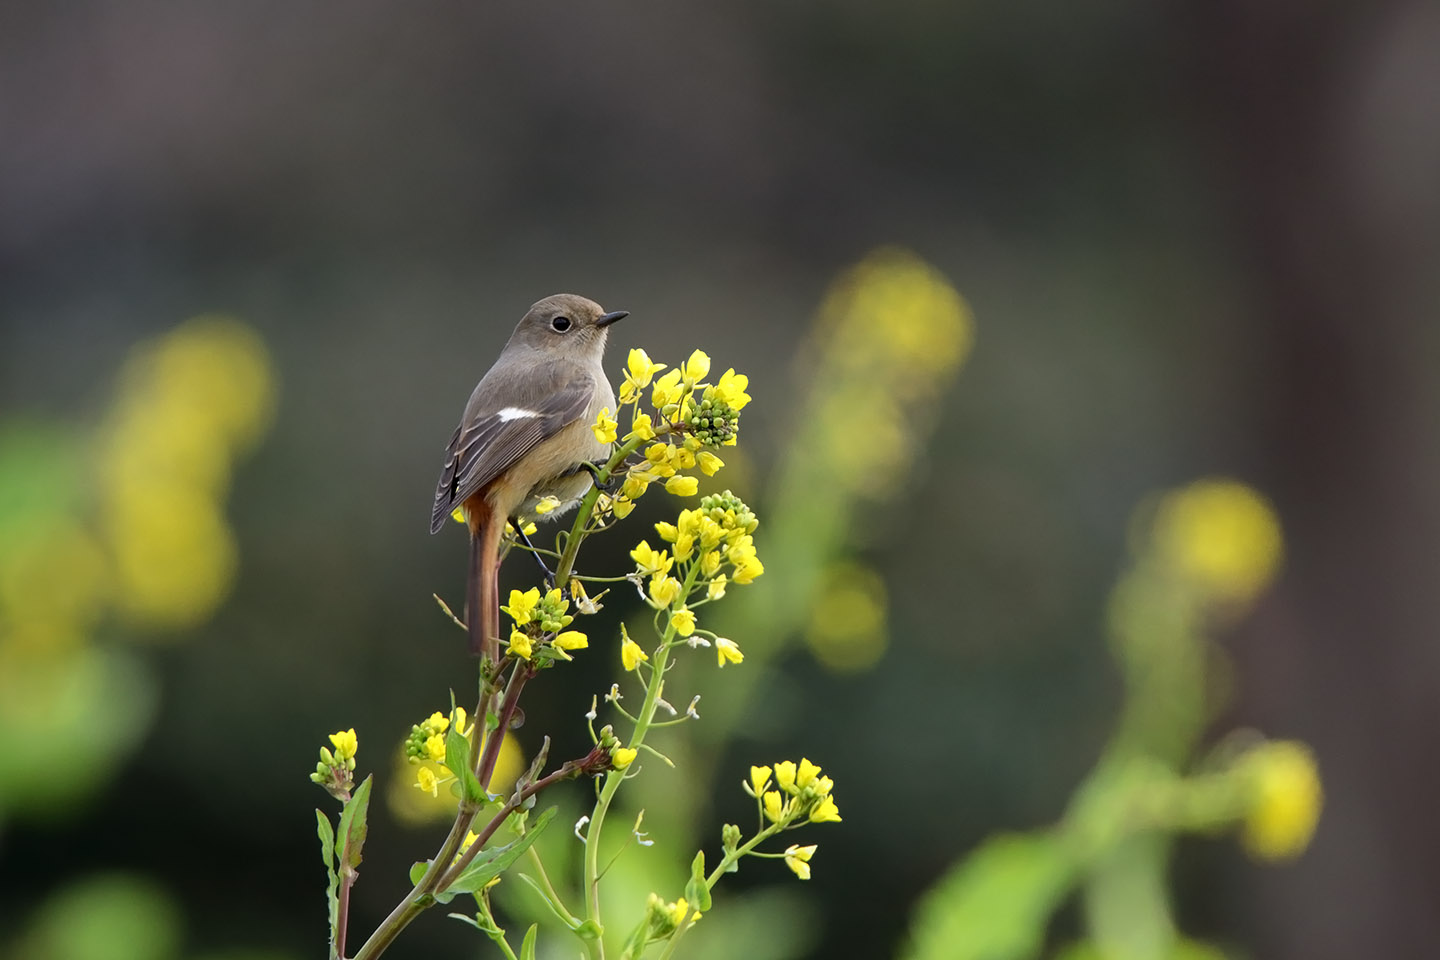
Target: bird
{"x": 525, "y": 435}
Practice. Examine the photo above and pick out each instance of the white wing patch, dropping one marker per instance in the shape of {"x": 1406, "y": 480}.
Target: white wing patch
{"x": 516, "y": 413}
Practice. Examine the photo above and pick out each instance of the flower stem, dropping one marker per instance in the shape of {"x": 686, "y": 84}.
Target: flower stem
{"x": 566, "y": 565}
{"x": 615, "y": 777}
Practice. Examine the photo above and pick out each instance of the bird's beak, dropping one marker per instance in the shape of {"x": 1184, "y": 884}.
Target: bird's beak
{"x": 606, "y": 319}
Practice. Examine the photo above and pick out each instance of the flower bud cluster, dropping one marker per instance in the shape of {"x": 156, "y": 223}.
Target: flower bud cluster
{"x": 336, "y": 769}
{"x": 540, "y": 623}
{"x": 427, "y": 738}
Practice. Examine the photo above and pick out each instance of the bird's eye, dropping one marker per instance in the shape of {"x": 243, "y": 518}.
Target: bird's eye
{"x": 561, "y": 324}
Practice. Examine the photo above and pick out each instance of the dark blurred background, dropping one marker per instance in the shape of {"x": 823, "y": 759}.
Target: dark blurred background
{"x": 1197, "y": 238}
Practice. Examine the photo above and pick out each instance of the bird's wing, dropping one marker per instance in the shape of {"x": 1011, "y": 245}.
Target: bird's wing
{"x": 493, "y": 437}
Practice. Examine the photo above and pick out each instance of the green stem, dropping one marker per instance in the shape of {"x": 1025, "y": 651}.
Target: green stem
{"x": 614, "y": 778}
{"x": 566, "y": 566}
{"x": 549, "y": 888}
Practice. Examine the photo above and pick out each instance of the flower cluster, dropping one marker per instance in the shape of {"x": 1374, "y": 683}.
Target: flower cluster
{"x": 336, "y": 769}
{"x": 687, "y": 416}
{"x": 426, "y": 746}
{"x": 540, "y": 623}
{"x": 801, "y": 794}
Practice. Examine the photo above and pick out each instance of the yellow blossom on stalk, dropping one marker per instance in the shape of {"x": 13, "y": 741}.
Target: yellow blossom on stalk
{"x": 806, "y": 774}
{"x": 649, "y": 561}
{"x": 716, "y": 590}
{"x": 684, "y": 621}
{"x": 572, "y": 640}
{"x": 460, "y": 725}
{"x": 785, "y": 775}
{"x": 797, "y": 858}
{"x": 641, "y": 367}
{"x": 747, "y": 569}
{"x": 682, "y": 486}
{"x": 435, "y": 748}
{"x": 667, "y": 390}
{"x": 643, "y": 427}
{"x": 668, "y": 531}
{"x": 631, "y": 655}
{"x": 664, "y": 589}
{"x": 622, "y": 757}
{"x": 709, "y": 463}
{"x": 604, "y": 426}
{"x": 522, "y": 605}
{"x": 727, "y": 651}
{"x": 679, "y": 910}
{"x": 519, "y": 645}
{"x": 346, "y": 743}
{"x": 694, "y": 369}
{"x": 546, "y": 504}
{"x": 731, "y": 389}
{"x": 425, "y": 779}
{"x": 825, "y": 812}
{"x": 470, "y": 837}
{"x": 1287, "y": 797}
{"x": 635, "y": 483}
{"x": 774, "y": 806}
{"x": 710, "y": 563}
{"x": 759, "y": 779}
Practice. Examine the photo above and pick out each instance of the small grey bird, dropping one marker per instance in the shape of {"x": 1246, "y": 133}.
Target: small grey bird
{"x": 523, "y": 436}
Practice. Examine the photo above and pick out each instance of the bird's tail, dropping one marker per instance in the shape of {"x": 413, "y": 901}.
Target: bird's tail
{"x": 482, "y": 592}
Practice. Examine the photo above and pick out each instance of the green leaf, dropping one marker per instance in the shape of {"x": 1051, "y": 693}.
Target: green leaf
{"x": 996, "y": 903}
{"x": 417, "y": 870}
{"x": 489, "y": 864}
{"x": 697, "y": 891}
{"x": 545, "y": 898}
{"x": 327, "y": 852}
{"x": 527, "y": 946}
{"x": 352, "y": 826}
{"x": 457, "y": 761}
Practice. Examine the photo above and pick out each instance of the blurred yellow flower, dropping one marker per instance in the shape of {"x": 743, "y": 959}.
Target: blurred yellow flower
{"x": 622, "y": 757}
{"x": 546, "y": 505}
{"x": 1220, "y": 535}
{"x": 1286, "y": 800}
{"x": 426, "y": 780}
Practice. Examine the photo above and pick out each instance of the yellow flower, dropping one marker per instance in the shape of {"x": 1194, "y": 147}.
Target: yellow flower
{"x": 460, "y": 726}
{"x": 635, "y": 483}
{"x": 709, "y": 463}
{"x": 345, "y": 743}
{"x": 640, "y": 368}
{"x": 667, "y": 390}
{"x": 622, "y": 757}
{"x": 678, "y": 911}
{"x": 1286, "y": 801}
{"x": 806, "y": 774}
{"x": 438, "y": 723}
{"x": 604, "y": 426}
{"x": 631, "y": 655}
{"x": 664, "y": 589}
{"x": 522, "y": 605}
{"x": 696, "y": 367}
{"x": 747, "y": 569}
{"x": 727, "y": 651}
{"x": 546, "y": 504}
{"x": 785, "y": 775}
{"x": 684, "y": 621}
{"x": 731, "y": 389}
{"x": 682, "y": 486}
{"x": 572, "y": 640}
{"x": 435, "y": 748}
{"x": 425, "y": 779}
{"x": 651, "y": 562}
{"x": 774, "y": 807}
{"x": 716, "y": 590}
{"x": 667, "y": 531}
{"x": 519, "y": 645}
{"x": 1222, "y": 536}
{"x": 458, "y": 515}
{"x": 643, "y": 427}
{"x": 825, "y": 812}
{"x": 759, "y": 779}
{"x": 797, "y": 858}
{"x": 684, "y": 546}
{"x": 470, "y": 837}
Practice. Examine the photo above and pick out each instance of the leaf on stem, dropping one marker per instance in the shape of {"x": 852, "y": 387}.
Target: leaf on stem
{"x": 527, "y": 946}
{"x": 489, "y": 864}
{"x": 457, "y": 761}
{"x": 351, "y": 834}
{"x": 327, "y": 853}
{"x": 697, "y": 891}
